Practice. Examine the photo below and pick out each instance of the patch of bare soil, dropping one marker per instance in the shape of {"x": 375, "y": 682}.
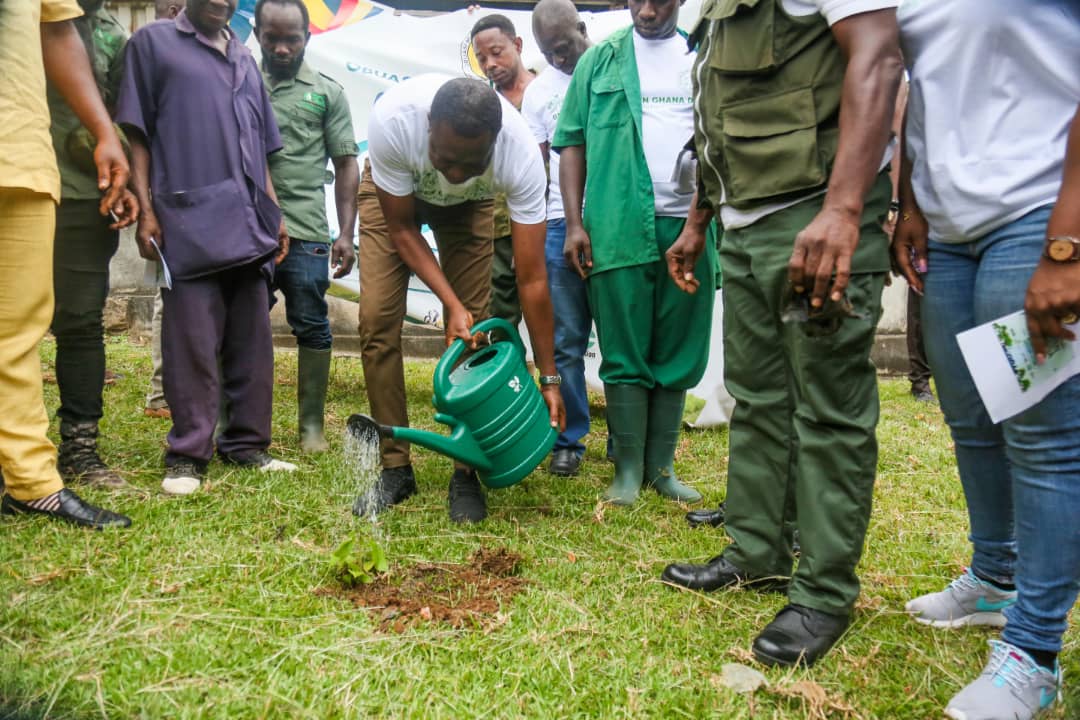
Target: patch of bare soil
{"x": 468, "y": 595}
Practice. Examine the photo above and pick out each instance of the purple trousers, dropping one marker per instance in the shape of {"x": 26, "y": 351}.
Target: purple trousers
{"x": 225, "y": 315}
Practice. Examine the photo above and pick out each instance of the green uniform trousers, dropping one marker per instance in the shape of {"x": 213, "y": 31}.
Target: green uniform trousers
{"x": 651, "y": 333}
{"x": 504, "y": 291}
{"x": 802, "y": 436}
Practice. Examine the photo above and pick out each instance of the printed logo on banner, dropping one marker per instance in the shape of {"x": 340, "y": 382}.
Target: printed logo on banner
{"x": 470, "y": 66}
{"x": 379, "y": 73}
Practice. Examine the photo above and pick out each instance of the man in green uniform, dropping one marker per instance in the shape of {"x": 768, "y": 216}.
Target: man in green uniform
{"x": 313, "y": 117}
{"x": 625, "y": 121}
{"x": 84, "y": 245}
{"x": 794, "y": 102}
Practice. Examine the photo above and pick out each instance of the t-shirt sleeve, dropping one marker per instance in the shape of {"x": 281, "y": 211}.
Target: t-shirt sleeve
{"x": 136, "y": 104}
{"x": 58, "y": 10}
{"x": 836, "y": 10}
{"x": 338, "y": 129}
{"x": 570, "y": 130}
{"x": 386, "y": 152}
{"x": 532, "y": 109}
{"x": 521, "y": 175}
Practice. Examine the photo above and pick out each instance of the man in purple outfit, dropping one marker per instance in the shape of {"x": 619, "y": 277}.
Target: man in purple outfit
{"x": 201, "y": 127}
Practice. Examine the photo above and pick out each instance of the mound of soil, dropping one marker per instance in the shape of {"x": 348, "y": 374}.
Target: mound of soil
{"x": 468, "y": 595}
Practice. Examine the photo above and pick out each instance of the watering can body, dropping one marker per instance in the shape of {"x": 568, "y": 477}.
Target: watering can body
{"x": 499, "y": 422}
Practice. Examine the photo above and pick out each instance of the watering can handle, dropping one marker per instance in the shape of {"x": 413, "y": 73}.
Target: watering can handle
{"x": 454, "y": 352}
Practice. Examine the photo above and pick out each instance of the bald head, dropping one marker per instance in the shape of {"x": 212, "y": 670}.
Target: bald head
{"x": 168, "y": 9}
{"x": 560, "y": 33}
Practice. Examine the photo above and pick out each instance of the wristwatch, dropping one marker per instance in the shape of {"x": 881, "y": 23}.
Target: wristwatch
{"x": 1062, "y": 249}
{"x": 550, "y": 380}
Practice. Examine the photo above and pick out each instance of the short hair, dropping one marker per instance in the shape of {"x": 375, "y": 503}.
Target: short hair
{"x": 469, "y": 106}
{"x": 299, "y": 4}
{"x": 161, "y": 7}
{"x": 494, "y": 22}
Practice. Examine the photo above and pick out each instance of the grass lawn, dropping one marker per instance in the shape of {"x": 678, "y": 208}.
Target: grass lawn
{"x": 215, "y": 605}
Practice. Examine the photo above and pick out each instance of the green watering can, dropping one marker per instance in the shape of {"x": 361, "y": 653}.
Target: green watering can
{"x": 499, "y": 422}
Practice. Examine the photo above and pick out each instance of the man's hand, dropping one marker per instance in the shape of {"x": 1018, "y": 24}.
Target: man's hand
{"x": 1053, "y": 294}
{"x": 556, "y": 409}
{"x": 113, "y": 171}
{"x": 909, "y": 248}
{"x": 683, "y": 255}
{"x": 283, "y": 243}
{"x": 824, "y": 247}
{"x": 342, "y": 256}
{"x": 126, "y": 211}
{"x": 577, "y": 250}
{"x": 149, "y": 230}
{"x": 459, "y": 322}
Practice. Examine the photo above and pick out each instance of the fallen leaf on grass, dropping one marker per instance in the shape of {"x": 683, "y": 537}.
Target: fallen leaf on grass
{"x": 425, "y": 613}
{"x": 45, "y": 577}
{"x": 571, "y": 557}
{"x": 816, "y": 702}
{"x": 741, "y": 654}
{"x": 598, "y": 511}
{"x": 740, "y": 678}
{"x": 310, "y": 547}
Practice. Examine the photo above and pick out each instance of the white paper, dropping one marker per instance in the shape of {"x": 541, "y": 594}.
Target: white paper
{"x": 163, "y": 277}
{"x": 1002, "y": 363}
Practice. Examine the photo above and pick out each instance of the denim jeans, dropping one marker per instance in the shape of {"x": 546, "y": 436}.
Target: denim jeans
{"x": 1021, "y": 478}
{"x": 303, "y": 278}
{"x": 573, "y": 325}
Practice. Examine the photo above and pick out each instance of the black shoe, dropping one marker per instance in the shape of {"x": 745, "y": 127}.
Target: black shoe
{"x": 697, "y": 518}
{"x": 799, "y": 635}
{"x": 716, "y": 574}
{"x": 467, "y": 502}
{"x": 395, "y": 485}
{"x": 72, "y": 509}
{"x": 564, "y": 462}
{"x": 78, "y": 460}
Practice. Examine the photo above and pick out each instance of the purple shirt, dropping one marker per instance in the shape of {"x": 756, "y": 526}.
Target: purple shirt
{"x": 209, "y": 126}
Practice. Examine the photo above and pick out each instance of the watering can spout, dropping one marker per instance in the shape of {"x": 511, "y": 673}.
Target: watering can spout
{"x": 460, "y": 444}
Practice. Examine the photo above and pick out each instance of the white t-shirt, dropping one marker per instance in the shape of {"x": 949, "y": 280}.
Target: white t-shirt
{"x": 540, "y": 107}
{"x": 994, "y": 87}
{"x": 834, "y": 11}
{"x": 667, "y": 117}
{"x": 401, "y": 165}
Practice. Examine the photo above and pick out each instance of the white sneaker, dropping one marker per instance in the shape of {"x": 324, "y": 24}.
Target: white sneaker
{"x": 261, "y": 460}
{"x": 966, "y": 601}
{"x": 1012, "y": 687}
{"x": 181, "y": 479}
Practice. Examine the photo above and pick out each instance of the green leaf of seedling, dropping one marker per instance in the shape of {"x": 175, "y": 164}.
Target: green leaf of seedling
{"x": 378, "y": 556}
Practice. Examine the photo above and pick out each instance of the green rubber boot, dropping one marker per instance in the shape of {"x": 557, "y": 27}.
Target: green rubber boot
{"x": 313, "y": 374}
{"x": 665, "y": 422}
{"x": 627, "y": 417}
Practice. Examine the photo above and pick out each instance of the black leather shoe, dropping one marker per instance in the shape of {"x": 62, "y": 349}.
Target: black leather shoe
{"x": 70, "y": 508}
{"x": 716, "y": 574}
{"x": 395, "y": 485}
{"x": 564, "y": 462}
{"x": 799, "y": 635}
{"x": 466, "y": 497}
{"x": 697, "y": 518}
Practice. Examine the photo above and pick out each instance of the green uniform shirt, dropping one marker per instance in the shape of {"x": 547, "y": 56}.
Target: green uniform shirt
{"x": 602, "y": 111}
{"x": 107, "y": 39}
{"x": 313, "y": 118}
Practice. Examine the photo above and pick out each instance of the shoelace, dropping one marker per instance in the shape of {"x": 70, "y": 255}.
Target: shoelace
{"x": 1007, "y": 665}
{"x": 967, "y": 581}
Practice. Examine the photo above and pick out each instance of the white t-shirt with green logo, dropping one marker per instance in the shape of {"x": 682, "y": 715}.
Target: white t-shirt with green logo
{"x": 667, "y": 117}
{"x": 401, "y": 165}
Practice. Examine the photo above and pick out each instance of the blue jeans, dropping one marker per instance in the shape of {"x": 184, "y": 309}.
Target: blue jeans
{"x": 573, "y": 324}
{"x": 1021, "y": 478}
{"x": 303, "y": 278}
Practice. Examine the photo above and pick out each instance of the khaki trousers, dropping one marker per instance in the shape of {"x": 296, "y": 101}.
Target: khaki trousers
{"x": 27, "y": 458}
{"x": 464, "y": 235}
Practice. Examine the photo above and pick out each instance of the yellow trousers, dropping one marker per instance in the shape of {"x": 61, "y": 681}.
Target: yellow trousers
{"x": 27, "y": 458}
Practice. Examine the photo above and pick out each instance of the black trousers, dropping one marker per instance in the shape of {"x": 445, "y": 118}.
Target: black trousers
{"x": 83, "y": 248}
